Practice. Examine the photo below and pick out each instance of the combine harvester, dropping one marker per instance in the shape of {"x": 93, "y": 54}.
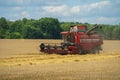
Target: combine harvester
{"x": 78, "y": 40}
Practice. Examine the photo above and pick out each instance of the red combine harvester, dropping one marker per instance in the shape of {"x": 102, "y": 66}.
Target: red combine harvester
{"x": 77, "y": 40}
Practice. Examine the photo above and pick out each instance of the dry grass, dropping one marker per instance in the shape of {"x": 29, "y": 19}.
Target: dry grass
{"x": 53, "y": 58}
{"x": 103, "y": 69}
{"x": 10, "y": 47}
{"x": 21, "y": 60}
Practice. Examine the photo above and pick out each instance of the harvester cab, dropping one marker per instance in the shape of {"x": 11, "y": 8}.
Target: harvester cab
{"x": 68, "y": 37}
{"x": 77, "y": 40}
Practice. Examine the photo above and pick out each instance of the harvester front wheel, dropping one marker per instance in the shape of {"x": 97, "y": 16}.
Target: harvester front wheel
{"x": 80, "y": 51}
{"x": 42, "y": 46}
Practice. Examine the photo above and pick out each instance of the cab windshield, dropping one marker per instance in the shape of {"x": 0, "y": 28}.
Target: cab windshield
{"x": 68, "y": 38}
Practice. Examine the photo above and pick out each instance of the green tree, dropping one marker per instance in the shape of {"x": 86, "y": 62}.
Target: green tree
{"x": 65, "y": 26}
{"x": 15, "y": 35}
{"x": 50, "y": 27}
{"x": 3, "y": 27}
{"x": 107, "y": 31}
{"x": 116, "y": 32}
{"x": 31, "y": 32}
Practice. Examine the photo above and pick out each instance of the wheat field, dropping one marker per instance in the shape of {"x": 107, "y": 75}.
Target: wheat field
{"x": 21, "y": 59}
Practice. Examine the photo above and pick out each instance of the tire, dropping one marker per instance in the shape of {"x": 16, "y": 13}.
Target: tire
{"x": 48, "y": 47}
{"x": 95, "y": 50}
{"x": 98, "y": 49}
{"x": 42, "y": 46}
{"x": 80, "y": 51}
{"x": 55, "y": 47}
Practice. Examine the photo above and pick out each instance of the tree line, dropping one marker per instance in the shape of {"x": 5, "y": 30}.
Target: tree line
{"x": 48, "y": 28}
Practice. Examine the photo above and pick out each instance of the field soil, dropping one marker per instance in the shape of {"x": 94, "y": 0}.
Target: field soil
{"x": 21, "y": 59}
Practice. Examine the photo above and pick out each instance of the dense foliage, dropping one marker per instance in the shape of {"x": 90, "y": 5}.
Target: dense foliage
{"x": 47, "y": 28}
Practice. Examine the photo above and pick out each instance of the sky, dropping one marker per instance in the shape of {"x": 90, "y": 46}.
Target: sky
{"x": 85, "y": 11}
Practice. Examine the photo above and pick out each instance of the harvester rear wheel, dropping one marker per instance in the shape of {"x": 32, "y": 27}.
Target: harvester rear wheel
{"x": 95, "y": 50}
